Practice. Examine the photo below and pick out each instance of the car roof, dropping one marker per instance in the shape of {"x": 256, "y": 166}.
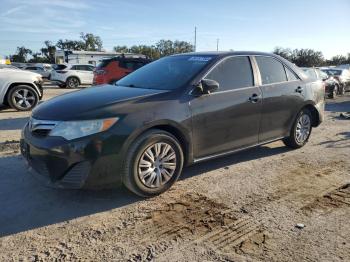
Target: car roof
{"x": 227, "y": 53}
{"x": 81, "y": 65}
{"x": 222, "y": 54}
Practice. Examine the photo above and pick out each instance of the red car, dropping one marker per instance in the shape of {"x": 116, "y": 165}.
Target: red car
{"x": 112, "y": 69}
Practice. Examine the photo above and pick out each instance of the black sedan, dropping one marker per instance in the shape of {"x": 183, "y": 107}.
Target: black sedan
{"x": 173, "y": 112}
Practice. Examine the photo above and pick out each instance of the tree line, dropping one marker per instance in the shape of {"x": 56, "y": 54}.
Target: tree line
{"x": 310, "y": 57}
{"x": 91, "y": 42}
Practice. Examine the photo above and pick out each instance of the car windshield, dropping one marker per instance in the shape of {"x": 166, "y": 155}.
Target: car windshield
{"x": 332, "y": 72}
{"x": 167, "y": 73}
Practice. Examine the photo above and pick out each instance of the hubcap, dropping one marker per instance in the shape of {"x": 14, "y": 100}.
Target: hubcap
{"x": 157, "y": 165}
{"x": 303, "y": 128}
{"x": 24, "y": 98}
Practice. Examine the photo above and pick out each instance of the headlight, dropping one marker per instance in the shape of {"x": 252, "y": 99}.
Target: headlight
{"x": 75, "y": 129}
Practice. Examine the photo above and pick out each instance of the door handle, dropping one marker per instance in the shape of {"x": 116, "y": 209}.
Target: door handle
{"x": 299, "y": 89}
{"x": 254, "y": 98}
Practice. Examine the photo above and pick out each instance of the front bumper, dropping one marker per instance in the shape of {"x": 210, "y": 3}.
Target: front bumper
{"x": 82, "y": 163}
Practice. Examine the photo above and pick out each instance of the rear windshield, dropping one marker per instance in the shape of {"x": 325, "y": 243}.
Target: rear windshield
{"x": 167, "y": 73}
{"x": 103, "y": 63}
{"x": 332, "y": 72}
{"x": 60, "y": 67}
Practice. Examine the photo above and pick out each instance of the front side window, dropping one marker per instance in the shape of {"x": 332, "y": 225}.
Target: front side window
{"x": 271, "y": 70}
{"x": 232, "y": 73}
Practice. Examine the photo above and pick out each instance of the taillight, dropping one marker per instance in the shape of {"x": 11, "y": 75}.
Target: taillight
{"x": 61, "y": 72}
{"x": 100, "y": 72}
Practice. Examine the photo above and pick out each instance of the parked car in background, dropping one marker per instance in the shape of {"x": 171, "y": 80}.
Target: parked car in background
{"x": 43, "y": 70}
{"x": 19, "y": 65}
{"x": 342, "y": 75}
{"x": 111, "y": 70}
{"x": 72, "y": 76}
{"x": 20, "y": 89}
{"x": 332, "y": 86}
{"x": 176, "y": 111}
{"x": 2, "y": 66}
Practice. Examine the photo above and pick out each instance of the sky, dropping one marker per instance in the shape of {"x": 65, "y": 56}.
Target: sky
{"x": 255, "y": 25}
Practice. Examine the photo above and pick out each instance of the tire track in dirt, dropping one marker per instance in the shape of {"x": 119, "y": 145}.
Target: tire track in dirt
{"x": 337, "y": 198}
{"x": 193, "y": 220}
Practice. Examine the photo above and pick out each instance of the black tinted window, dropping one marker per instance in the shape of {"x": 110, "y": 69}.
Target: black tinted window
{"x": 291, "y": 76}
{"x": 271, "y": 70}
{"x": 232, "y": 73}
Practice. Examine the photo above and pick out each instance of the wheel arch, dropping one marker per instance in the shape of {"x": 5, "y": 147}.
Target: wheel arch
{"x": 171, "y": 127}
{"x": 314, "y": 113}
{"x": 73, "y": 76}
{"x": 12, "y": 85}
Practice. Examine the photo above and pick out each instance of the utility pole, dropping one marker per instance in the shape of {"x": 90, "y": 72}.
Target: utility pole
{"x": 217, "y": 44}
{"x": 195, "y": 38}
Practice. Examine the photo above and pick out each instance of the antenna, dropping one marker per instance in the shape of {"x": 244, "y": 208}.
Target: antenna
{"x": 217, "y": 44}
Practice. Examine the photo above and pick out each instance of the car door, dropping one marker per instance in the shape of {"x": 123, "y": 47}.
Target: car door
{"x": 228, "y": 118}
{"x": 283, "y": 96}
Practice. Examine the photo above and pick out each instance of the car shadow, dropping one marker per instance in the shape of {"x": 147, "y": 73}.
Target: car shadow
{"x": 338, "y": 106}
{"x": 13, "y": 123}
{"x": 342, "y": 142}
{"x": 26, "y": 204}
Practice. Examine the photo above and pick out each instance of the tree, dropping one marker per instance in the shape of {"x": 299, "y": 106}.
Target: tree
{"x": 21, "y": 54}
{"x": 283, "y": 52}
{"x": 301, "y": 57}
{"x": 307, "y": 57}
{"x": 70, "y": 45}
{"x": 48, "y": 52}
{"x": 121, "y": 49}
{"x": 91, "y": 42}
{"x": 338, "y": 60}
{"x": 160, "y": 49}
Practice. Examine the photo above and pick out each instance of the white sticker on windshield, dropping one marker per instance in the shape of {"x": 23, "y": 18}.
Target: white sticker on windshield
{"x": 200, "y": 58}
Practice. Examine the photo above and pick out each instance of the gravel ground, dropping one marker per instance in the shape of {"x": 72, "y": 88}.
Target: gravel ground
{"x": 244, "y": 207}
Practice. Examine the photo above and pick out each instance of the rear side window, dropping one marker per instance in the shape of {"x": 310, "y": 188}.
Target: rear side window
{"x": 271, "y": 70}
{"x": 233, "y": 73}
{"x": 290, "y": 75}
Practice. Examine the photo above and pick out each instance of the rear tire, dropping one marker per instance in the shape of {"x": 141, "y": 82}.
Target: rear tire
{"x": 62, "y": 85}
{"x": 301, "y": 130}
{"x": 23, "y": 98}
{"x": 153, "y": 163}
{"x": 73, "y": 82}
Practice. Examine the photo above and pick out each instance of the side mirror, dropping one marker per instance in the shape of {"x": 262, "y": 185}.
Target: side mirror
{"x": 208, "y": 86}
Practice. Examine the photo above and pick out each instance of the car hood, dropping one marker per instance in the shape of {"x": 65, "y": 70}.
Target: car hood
{"x": 91, "y": 103}
{"x": 9, "y": 72}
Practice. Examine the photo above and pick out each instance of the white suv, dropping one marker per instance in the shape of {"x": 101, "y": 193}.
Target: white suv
{"x": 20, "y": 89}
{"x": 73, "y": 75}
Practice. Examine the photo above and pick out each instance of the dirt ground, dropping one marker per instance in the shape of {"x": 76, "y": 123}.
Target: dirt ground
{"x": 244, "y": 207}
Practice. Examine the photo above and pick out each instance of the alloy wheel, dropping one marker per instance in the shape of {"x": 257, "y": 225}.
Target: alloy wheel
{"x": 24, "y": 98}
{"x": 303, "y": 128}
{"x": 157, "y": 165}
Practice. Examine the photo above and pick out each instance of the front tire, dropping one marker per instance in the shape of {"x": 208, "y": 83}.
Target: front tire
{"x": 153, "y": 163}
{"x": 23, "y": 98}
{"x": 301, "y": 130}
